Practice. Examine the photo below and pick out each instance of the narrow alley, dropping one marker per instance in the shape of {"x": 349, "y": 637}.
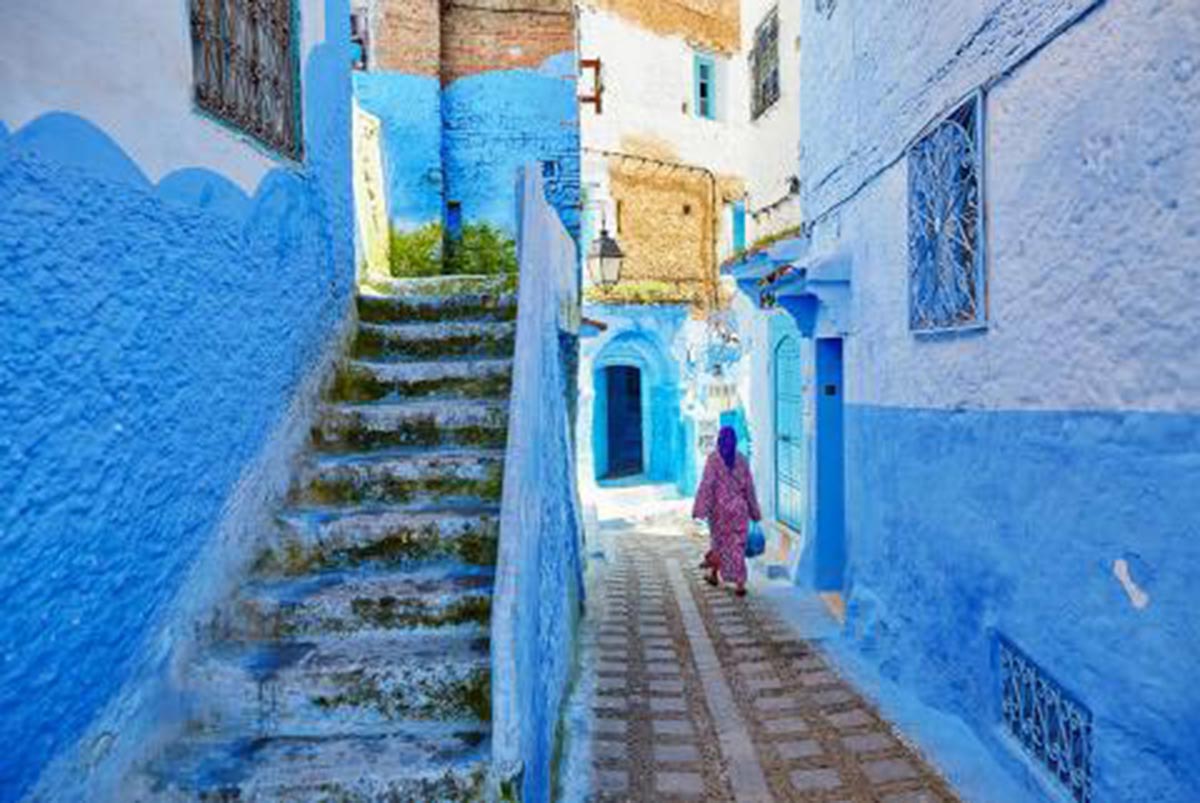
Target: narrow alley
{"x": 700, "y": 695}
{"x": 599, "y": 401}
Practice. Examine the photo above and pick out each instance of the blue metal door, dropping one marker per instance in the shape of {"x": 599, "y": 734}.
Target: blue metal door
{"x": 831, "y": 468}
{"x": 789, "y": 434}
{"x": 624, "y": 421}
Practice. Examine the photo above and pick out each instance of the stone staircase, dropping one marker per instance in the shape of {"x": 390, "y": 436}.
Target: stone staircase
{"x": 353, "y": 664}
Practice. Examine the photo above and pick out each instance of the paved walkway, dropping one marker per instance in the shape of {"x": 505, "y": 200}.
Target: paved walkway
{"x": 700, "y": 695}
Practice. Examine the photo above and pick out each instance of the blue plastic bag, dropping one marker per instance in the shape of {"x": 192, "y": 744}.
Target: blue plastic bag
{"x": 756, "y": 540}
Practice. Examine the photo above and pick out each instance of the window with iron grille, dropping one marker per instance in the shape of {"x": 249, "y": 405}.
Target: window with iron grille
{"x": 946, "y": 273}
{"x": 246, "y": 68}
{"x": 1049, "y": 723}
{"x": 764, "y": 65}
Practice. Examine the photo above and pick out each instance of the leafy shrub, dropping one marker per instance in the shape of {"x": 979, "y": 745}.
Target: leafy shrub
{"x": 482, "y": 249}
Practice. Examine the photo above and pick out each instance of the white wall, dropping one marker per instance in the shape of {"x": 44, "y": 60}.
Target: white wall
{"x": 772, "y": 142}
{"x": 1093, "y": 211}
{"x": 648, "y": 82}
{"x": 647, "y": 79}
{"x": 100, "y": 59}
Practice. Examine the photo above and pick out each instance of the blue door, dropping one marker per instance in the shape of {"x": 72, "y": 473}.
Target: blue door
{"x": 789, "y": 434}
{"x": 831, "y": 468}
{"x": 624, "y": 408}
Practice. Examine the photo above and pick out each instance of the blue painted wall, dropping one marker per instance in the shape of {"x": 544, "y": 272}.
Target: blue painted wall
{"x": 152, "y": 338}
{"x": 498, "y": 120}
{"x": 1010, "y": 522}
{"x": 642, "y": 337}
{"x": 994, "y": 479}
{"x": 410, "y": 115}
{"x": 464, "y": 142}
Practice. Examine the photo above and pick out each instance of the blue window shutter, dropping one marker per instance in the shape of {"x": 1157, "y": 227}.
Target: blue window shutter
{"x": 739, "y": 225}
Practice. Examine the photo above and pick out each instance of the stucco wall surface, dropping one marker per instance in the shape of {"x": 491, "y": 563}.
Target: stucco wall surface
{"x": 409, "y": 108}
{"x": 153, "y": 335}
{"x": 495, "y": 122}
{"x": 648, "y": 81}
{"x": 772, "y": 141}
{"x": 101, "y": 55}
{"x": 539, "y": 572}
{"x": 996, "y": 478}
{"x": 880, "y": 73}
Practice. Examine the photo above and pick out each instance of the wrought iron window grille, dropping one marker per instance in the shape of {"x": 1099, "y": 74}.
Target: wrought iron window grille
{"x": 246, "y": 69}
{"x": 946, "y": 265}
{"x": 1050, "y": 724}
{"x": 764, "y": 65}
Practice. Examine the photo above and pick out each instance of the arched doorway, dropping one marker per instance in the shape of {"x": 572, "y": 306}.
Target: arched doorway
{"x": 789, "y": 434}
{"x": 626, "y": 434}
{"x": 635, "y": 418}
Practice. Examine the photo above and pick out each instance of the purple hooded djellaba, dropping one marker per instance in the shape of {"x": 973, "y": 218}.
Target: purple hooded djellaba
{"x": 726, "y": 499}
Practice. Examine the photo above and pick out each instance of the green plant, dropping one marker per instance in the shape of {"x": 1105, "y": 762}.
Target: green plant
{"x": 646, "y": 292}
{"x": 482, "y": 249}
{"x": 415, "y": 253}
{"x": 761, "y": 244}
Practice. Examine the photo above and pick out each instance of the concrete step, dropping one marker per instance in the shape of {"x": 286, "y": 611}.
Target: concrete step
{"x": 418, "y": 306}
{"x": 432, "y": 341}
{"x": 452, "y": 285}
{"x": 450, "y": 422}
{"x": 403, "y": 476}
{"x": 411, "y": 762}
{"x": 435, "y": 596}
{"x": 364, "y": 381}
{"x": 317, "y": 539}
{"x": 331, "y": 683}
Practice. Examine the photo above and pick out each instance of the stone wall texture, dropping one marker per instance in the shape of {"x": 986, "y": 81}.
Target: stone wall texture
{"x": 154, "y": 334}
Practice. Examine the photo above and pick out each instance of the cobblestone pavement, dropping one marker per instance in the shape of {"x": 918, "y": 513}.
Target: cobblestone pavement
{"x": 700, "y": 695}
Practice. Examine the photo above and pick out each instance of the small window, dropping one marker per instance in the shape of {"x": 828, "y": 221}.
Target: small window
{"x": 764, "y": 65}
{"x": 246, "y": 68}
{"x": 706, "y": 87}
{"x": 360, "y": 37}
{"x": 946, "y": 274}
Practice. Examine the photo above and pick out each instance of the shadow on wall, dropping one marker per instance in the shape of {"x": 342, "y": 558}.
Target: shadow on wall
{"x": 153, "y": 338}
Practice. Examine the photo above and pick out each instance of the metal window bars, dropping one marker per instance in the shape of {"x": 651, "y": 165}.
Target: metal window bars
{"x": 946, "y": 223}
{"x": 246, "y": 69}
{"x": 1050, "y": 725}
{"x": 764, "y": 65}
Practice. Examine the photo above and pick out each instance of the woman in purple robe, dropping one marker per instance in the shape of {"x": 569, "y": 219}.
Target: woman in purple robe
{"x": 726, "y": 499}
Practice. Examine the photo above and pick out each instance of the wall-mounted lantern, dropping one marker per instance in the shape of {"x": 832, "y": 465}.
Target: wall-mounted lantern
{"x": 605, "y": 260}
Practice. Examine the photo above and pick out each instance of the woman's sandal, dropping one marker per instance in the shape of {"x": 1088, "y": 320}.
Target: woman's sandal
{"x": 741, "y": 592}
{"x": 711, "y": 579}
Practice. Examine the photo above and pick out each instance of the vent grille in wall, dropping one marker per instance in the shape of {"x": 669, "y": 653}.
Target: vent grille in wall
{"x": 1051, "y": 726}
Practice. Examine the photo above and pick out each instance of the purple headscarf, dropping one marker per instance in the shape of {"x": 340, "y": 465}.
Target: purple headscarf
{"x": 727, "y": 446}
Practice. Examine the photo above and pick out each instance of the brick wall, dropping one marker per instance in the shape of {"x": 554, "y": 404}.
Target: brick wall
{"x": 406, "y": 36}
{"x": 503, "y": 35}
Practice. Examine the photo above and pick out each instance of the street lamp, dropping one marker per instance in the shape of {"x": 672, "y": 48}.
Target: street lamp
{"x": 605, "y": 260}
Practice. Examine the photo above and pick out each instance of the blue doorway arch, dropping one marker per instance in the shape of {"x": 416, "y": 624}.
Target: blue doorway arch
{"x": 643, "y": 378}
